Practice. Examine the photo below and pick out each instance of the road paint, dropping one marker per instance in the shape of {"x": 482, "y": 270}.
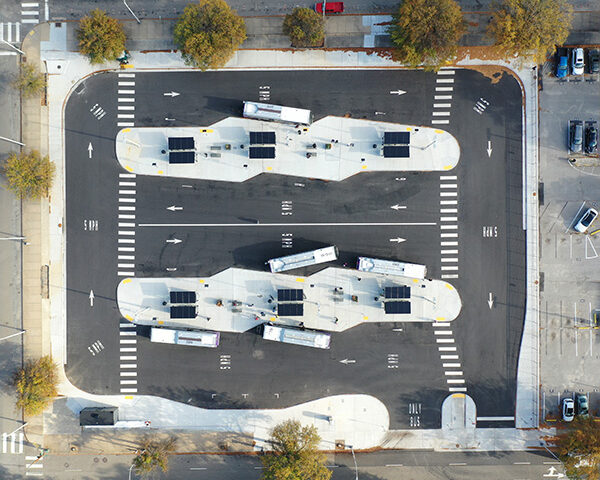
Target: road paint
{"x": 449, "y": 244}
{"x": 449, "y": 268}
{"x": 454, "y": 380}
{"x": 448, "y": 227}
{"x": 448, "y": 194}
{"x": 457, "y": 464}
{"x": 442, "y": 332}
{"x": 448, "y": 185}
{"x": 454, "y": 374}
{"x": 449, "y": 210}
{"x": 449, "y": 252}
{"x": 128, "y": 365}
{"x": 449, "y": 235}
{"x": 449, "y": 276}
{"x": 128, "y": 382}
{"x": 125, "y": 274}
{"x": 442, "y": 97}
{"x": 126, "y": 225}
{"x": 126, "y": 75}
{"x": 126, "y": 200}
{"x": 126, "y": 249}
{"x": 446, "y": 72}
{"x": 441, "y": 324}
{"x": 447, "y": 349}
{"x": 126, "y": 107}
{"x": 457, "y": 389}
{"x": 449, "y": 357}
{"x": 125, "y": 333}
{"x": 440, "y": 122}
{"x": 125, "y": 216}
{"x": 440, "y": 114}
{"x": 126, "y": 92}
{"x": 127, "y": 232}
{"x": 448, "y": 219}
{"x": 128, "y": 374}
{"x": 267, "y": 225}
{"x": 448, "y": 202}
{"x": 495, "y": 419}
{"x": 442, "y": 105}
{"x": 394, "y": 465}
{"x": 444, "y": 340}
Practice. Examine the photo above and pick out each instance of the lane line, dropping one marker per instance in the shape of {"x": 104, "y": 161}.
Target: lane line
{"x": 266, "y": 225}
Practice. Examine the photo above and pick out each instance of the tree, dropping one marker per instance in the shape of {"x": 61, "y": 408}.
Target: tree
{"x": 29, "y": 175}
{"x": 579, "y": 448}
{"x": 100, "y": 37}
{"x": 426, "y": 32}
{"x": 30, "y": 80}
{"x": 521, "y": 27}
{"x": 208, "y": 33}
{"x": 305, "y": 27}
{"x": 36, "y": 385}
{"x": 153, "y": 455}
{"x": 295, "y": 454}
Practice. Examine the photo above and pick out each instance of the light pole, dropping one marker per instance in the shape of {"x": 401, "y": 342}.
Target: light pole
{"x": 130, "y": 469}
{"x": 131, "y": 11}
{"x": 13, "y": 335}
{"x": 12, "y": 46}
{"x": 12, "y": 141}
{"x": 355, "y": 465}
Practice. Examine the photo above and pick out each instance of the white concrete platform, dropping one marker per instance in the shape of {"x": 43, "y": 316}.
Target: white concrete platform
{"x": 332, "y": 148}
{"x": 145, "y": 300}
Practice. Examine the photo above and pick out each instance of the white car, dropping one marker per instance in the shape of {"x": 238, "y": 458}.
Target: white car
{"x": 568, "y": 410}
{"x": 586, "y": 220}
{"x": 577, "y": 63}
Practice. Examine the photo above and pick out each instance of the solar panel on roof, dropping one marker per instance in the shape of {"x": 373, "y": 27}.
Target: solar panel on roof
{"x": 181, "y": 311}
{"x": 182, "y": 157}
{"x": 262, "y": 152}
{"x": 290, "y": 309}
{"x": 289, "y": 295}
{"x": 396, "y": 138}
{"x": 397, "y": 292}
{"x": 401, "y": 151}
{"x": 397, "y": 307}
{"x": 181, "y": 143}
{"x": 262, "y": 138}
{"x": 183, "y": 297}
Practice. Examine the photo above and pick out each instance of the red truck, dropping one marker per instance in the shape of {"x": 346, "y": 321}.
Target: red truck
{"x": 330, "y": 7}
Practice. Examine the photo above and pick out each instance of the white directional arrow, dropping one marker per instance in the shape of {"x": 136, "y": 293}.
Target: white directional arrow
{"x": 90, "y": 150}
{"x": 491, "y": 301}
{"x": 397, "y": 240}
{"x": 346, "y": 361}
{"x": 174, "y": 208}
{"x": 91, "y": 298}
{"x": 170, "y": 94}
{"x": 489, "y": 149}
{"x": 397, "y": 92}
{"x": 174, "y": 241}
{"x": 397, "y": 207}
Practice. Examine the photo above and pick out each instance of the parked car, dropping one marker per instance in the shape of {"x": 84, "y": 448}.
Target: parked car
{"x": 562, "y": 67}
{"x": 330, "y": 7}
{"x": 568, "y": 410}
{"x": 586, "y": 220}
{"x": 578, "y": 62}
{"x": 582, "y": 406}
{"x": 576, "y": 136}
{"x": 594, "y": 60}
{"x": 591, "y": 139}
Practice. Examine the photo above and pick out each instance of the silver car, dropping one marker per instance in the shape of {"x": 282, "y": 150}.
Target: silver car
{"x": 578, "y": 62}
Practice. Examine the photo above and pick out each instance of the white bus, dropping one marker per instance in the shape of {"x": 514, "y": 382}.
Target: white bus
{"x": 277, "y": 113}
{"x": 304, "y": 259}
{"x": 306, "y": 338}
{"x": 389, "y": 267}
{"x": 195, "y": 338}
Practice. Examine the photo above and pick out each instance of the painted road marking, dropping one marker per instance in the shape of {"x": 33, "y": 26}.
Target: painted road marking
{"x": 449, "y": 252}
{"x": 441, "y": 114}
{"x": 265, "y": 225}
{"x": 449, "y": 276}
{"x": 444, "y": 89}
{"x": 440, "y": 122}
{"x": 455, "y": 380}
{"x": 442, "y": 97}
{"x": 444, "y": 340}
{"x": 447, "y": 349}
{"x": 454, "y": 374}
{"x": 449, "y": 357}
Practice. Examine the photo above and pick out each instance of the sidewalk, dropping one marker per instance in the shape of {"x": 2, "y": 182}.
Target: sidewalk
{"x": 66, "y": 68}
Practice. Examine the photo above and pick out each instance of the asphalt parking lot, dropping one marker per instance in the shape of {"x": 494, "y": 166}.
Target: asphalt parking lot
{"x": 399, "y": 364}
{"x": 569, "y": 345}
